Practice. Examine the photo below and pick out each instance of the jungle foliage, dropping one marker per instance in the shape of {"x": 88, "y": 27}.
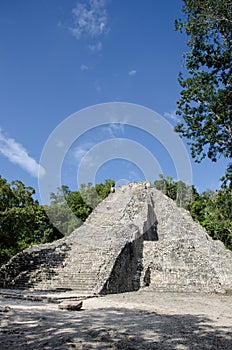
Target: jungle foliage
{"x": 205, "y": 103}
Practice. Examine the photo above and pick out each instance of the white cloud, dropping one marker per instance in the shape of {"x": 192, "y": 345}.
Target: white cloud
{"x": 90, "y": 19}
{"x": 114, "y": 129}
{"x": 17, "y": 154}
{"x": 89, "y": 161}
{"x": 96, "y": 47}
{"x": 132, "y": 72}
{"x": 82, "y": 156}
{"x": 97, "y": 86}
{"x": 172, "y": 116}
{"x": 83, "y": 67}
{"x": 81, "y": 150}
{"x": 60, "y": 143}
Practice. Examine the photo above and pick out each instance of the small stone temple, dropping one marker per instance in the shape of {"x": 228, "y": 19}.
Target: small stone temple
{"x": 137, "y": 237}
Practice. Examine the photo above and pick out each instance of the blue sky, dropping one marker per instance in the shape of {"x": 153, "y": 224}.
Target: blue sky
{"x": 58, "y": 57}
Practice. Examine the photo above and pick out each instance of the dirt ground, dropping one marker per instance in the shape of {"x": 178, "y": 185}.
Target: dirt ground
{"x": 137, "y": 320}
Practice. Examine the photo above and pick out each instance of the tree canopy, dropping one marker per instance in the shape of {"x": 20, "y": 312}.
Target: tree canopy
{"x": 205, "y": 102}
{"x": 23, "y": 221}
{"x": 81, "y": 203}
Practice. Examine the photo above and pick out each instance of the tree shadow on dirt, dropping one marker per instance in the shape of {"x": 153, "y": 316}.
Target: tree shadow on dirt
{"x": 109, "y": 328}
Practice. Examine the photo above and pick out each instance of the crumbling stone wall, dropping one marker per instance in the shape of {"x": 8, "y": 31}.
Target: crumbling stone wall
{"x": 135, "y": 237}
{"x": 38, "y": 263}
{"x": 185, "y": 257}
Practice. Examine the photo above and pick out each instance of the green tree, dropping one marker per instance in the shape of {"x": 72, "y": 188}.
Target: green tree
{"x": 15, "y": 216}
{"x": 89, "y": 194}
{"x": 206, "y": 98}
{"x": 43, "y": 230}
{"x": 61, "y": 211}
{"x": 219, "y": 217}
{"x": 103, "y": 190}
{"x": 62, "y": 218}
{"x": 181, "y": 193}
{"x": 81, "y": 203}
{"x": 200, "y": 203}
{"x": 167, "y": 185}
{"x": 78, "y": 206}
{"x": 23, "y": 222}
{"x": 213, "y": 211}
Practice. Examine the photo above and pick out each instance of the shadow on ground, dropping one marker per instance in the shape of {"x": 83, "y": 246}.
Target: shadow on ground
{"x": 110, "y": 328}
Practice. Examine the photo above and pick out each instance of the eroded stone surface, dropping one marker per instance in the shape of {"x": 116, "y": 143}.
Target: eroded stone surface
{"x": 185, "y": 257}
{"x": 135, "y": 237}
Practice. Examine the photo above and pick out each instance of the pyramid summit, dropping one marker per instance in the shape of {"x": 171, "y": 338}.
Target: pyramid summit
{"x": 137, "y": 237}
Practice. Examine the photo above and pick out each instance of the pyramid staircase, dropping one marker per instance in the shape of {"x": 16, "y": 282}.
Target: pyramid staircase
{"x": 136, "y": 237}
{"x": 86, "y": 259}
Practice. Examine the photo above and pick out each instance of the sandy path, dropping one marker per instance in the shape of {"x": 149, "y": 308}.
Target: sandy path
{"x": 139, "y": 320}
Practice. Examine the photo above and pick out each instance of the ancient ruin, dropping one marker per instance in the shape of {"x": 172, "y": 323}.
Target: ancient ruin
{"x": 136, "y": 237}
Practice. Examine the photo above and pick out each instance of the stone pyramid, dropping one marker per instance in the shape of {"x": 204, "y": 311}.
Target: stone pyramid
{"x": 137, "y": 237}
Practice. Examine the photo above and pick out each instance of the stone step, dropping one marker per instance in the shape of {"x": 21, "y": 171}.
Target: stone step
{"x": 77, "y": 288}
